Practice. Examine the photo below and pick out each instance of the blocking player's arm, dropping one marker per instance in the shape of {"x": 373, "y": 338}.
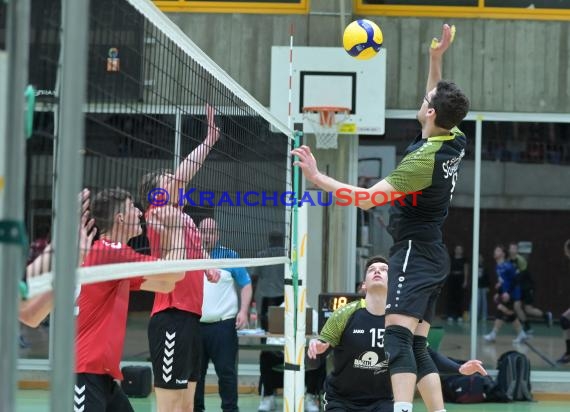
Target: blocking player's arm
{"x": 436, "y": 51}
{"x": 193, "y": 162}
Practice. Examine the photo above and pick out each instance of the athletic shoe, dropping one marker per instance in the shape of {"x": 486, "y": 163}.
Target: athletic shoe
{"x": 491, "y": 337}
{"x": 548, "y": 318}
{"x": 311, "y": 403}
{"x": 267, "y": 404}
{"x": 522, "y": 336}
{"x": 564, "y": 359}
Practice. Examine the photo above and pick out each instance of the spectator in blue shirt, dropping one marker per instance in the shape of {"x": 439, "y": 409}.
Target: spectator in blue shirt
{"x": 223, "y": 312}
{"x": 508, "y": 292}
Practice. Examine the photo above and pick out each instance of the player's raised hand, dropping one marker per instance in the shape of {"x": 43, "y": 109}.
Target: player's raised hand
{"x": 87, "y": 229}
{"x": 439, "y": 46}
{"x": 472, "y": 366}
{"x": 213, "y": 131}
{"x": 213, "y": 275}
{"x": 306, "y": 162}
{"x": 316, "y": 347}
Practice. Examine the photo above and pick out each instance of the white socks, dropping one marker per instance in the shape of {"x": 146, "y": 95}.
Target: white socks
{"x": 403, "y": 407}
{"x": 407, "y": 407}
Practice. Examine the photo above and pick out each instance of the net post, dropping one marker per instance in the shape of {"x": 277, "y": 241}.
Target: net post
{"x": 12, "y": 257}
{"x": 71, "y": 141}
{"x": 291, "y": 298}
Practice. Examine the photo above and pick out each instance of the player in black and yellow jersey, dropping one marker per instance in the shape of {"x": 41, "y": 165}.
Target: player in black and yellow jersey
{"x": 419, "y": 262}
{"x": 360, "y": 380}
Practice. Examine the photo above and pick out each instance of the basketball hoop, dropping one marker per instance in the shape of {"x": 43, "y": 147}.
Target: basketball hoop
{"x": 324, "y": 121}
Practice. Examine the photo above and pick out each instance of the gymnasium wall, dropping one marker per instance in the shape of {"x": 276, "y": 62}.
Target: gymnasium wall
{"x": 503, "y": 65}
{"x": 546, "y": 230}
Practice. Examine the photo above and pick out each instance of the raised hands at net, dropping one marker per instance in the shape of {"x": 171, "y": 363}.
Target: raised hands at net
{"x": 194, "y": 161}
{"x": 438, "y": 47}
{"x": 87, "y": 230}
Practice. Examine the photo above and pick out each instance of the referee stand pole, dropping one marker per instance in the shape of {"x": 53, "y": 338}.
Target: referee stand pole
{"x": 70, "y": 144}
{"x": 13, "y": 241}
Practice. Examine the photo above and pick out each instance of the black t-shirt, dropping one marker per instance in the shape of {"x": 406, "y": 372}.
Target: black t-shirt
{"x": 430, "y": 166}
{"x": 458, "y": 266}
{"x": 483, "y": 277}
{"x": 360, "y": 373}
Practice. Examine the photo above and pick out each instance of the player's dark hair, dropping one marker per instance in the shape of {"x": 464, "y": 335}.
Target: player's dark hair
{"x": 502, "y": 247}
{"x": 372, "y": 260}
{"x": 105, "y": 205}
{"x": 149, "y": 182}
{"x": 450, "y": 104}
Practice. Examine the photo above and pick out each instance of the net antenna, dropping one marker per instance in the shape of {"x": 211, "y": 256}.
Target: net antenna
{"x": 324, "y": 121}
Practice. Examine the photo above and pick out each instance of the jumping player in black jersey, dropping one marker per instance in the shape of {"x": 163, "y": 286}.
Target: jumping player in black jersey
{"x": 360, "y": 380}
{"x": 419, "y": 262}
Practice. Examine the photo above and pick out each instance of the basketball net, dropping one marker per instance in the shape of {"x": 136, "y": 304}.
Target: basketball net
{"x": 324, "y": 121}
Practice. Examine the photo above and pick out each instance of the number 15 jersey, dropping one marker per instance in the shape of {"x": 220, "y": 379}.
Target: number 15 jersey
{"x": 360, "y": 373}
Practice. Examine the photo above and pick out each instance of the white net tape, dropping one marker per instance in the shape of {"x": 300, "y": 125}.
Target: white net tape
{"x": 324, "y": 122}
{"x": 102, "y": 273}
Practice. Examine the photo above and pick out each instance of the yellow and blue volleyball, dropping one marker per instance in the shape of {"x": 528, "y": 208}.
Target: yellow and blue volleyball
{"x": 362, "y": 39}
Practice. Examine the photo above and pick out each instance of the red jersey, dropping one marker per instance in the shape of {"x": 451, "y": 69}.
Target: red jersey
{"x": 188, "y": 293}
{"x": 103, "y": 309}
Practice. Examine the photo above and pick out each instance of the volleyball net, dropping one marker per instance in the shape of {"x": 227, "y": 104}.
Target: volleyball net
{"x": 168, "y": 126}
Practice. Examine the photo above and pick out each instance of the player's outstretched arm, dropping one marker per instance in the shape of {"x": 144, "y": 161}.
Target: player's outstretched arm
{"x": 364, "y": 198}
{"x": 449, "y": 367}
{"x": 472, "y": 366}
{"x": 436, "y": 51}
{"x": 194, "y": 161}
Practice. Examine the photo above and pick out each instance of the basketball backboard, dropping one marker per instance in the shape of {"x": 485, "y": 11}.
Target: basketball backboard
{"x": 328, "y": 76}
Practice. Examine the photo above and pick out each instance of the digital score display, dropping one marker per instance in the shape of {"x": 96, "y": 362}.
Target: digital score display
{"x": 329, "y": 302}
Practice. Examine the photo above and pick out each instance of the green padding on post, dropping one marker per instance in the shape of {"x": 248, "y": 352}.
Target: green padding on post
{"x": 23, "y": 290}
{"x": 12, "y": 231}
{"x": 30, "y": 95}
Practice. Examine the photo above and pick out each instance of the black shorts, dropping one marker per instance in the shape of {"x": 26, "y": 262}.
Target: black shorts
{"x": 527, "y": 296}
{"x": 175, "y": 346}
{"x": 416, "y": 273}
{"x": 99, "y": 393}
{"x": 331, "y": 403}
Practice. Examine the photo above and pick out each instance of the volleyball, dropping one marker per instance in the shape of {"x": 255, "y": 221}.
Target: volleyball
{"x": 362, "y": 39}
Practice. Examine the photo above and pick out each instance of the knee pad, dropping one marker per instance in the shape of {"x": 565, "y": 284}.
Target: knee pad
{"x": 564, "y": 323}
{"x": 424, "y": 361}
{"x": 398, "y": 343}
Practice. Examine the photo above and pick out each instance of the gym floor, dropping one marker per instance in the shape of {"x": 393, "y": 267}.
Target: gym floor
{"x": 545, "y": 347}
